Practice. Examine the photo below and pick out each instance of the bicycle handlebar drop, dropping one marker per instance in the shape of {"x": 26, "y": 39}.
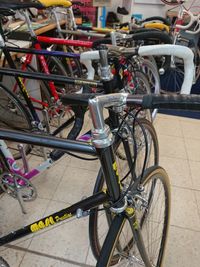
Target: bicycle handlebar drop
{"x": 149, "y": 50}
{"x": 193, "y": 18}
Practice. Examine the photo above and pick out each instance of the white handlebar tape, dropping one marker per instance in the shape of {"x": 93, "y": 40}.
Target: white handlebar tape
{"x": 86, "y": 59}
{"x": 174, "y": 50}
{"x": 192, "y": 20}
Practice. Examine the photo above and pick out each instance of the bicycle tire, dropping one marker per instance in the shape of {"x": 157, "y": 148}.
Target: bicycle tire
{"x": 55, "y": 114}
{"x": 165, "y": 21}
{"x": 3, "y": 167}
{"x": 94, "y": 234}
{"x": 155, "y": 37}
{"x": 149, "y": 67}
{"x": 139, "y": 84}
{"x": 70, "y": 67}
{"x": 17, "y": 117}
{"x": 127, "y": 254}
{"x": 43, "y": 94}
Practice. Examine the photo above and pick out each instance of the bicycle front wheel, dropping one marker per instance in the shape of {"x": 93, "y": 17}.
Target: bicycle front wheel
{"x": 99, "y": 221}
{"x": 128, "y": 245}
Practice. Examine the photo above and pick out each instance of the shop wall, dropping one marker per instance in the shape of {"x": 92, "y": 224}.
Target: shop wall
{"x": 146, "y": 9}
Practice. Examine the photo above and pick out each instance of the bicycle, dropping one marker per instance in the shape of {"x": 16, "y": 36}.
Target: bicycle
{"x": 11, "y": 179}
{"x": 101, "y": 131}
{"x": 186, "y": 35}
{"x": 123, "y": 214}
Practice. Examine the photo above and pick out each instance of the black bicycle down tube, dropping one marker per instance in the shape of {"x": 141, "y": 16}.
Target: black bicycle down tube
{"x": 52, "y": 77}
{"x": 59, "y": 216}
{"x": 21, "y": 85}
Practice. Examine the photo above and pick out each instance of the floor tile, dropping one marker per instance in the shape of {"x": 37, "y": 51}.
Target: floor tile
{"x": 197, "y": 195}
{"x": 12, "y": 218}
{"x": 182, "y": 248}
{"x": 75, "y": 185}
{"x": 195, "y": 173}
{"x": 47, "y": 182}
{"x": 13, "y": 257}
{"x": 193, "y": 149}
{"x": 184, "y": 209}
{"x": 67, "y": 243}
{"x": 178, "y": 171}
{"x": 191, "y": 129}
{"x": 93, "y": 165}
{"x": 168, "y": 126}
{"x": 172, "y": 146}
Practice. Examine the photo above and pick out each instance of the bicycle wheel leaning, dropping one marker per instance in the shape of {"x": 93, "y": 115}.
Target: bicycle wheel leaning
{"x": 99, "y": 221}
{"x": 13, "y": 115}
{"x": 138, "y": 235}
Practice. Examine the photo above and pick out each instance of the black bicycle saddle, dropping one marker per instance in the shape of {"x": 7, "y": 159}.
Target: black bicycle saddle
{"x": 20, "y": 4}
{"x": 6, "y": 12}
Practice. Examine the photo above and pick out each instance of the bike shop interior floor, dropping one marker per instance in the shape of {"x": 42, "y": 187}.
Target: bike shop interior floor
{"x": 72, "y": 179}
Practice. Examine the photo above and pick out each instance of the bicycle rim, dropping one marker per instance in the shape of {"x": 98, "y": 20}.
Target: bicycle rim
{"x": 17, "y": 117}
{"x": 99, "y": 221}
{"x": 153, "y": 221}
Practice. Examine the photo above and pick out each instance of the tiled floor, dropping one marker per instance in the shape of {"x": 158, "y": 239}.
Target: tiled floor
{"x": 71, "y": 179}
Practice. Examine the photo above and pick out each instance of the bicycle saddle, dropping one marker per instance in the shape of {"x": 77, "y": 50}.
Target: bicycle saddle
{"x": 53, "y": 3}
{"x": 21, "y": 4}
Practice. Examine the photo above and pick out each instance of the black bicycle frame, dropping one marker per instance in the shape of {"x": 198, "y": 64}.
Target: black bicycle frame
{"x": 64, "y": 214}
{"x": 108, "y": 164}
{"x": 52, "y": 77}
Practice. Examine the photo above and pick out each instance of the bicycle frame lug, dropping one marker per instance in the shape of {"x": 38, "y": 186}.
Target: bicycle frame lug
{"x": 161, "y": 71}
{"x": 121, "y": 209}
{"x": 24, "y": 159}
{"x": 118, "y": 109}
{"x": 23, "y": 59}
{"x": 102, "y": 138}
{"x": 106, "y": 74}
{"x": 46, "y": 120}
{"x": 2, "y": 42}
{"x": 40, "y": 126}
{"x": 80, "y": 213}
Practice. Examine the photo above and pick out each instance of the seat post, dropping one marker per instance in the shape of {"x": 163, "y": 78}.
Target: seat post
{"x": 29, "y": 24}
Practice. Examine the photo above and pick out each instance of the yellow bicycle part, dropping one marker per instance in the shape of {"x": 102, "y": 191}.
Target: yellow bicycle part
{"x": 53, "y": 3}
{"x": 157, "y": 25}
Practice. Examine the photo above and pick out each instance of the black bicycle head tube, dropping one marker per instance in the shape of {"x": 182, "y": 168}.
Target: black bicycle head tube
{"x": 109, "y": 168}
{"x": 47, "y": 141}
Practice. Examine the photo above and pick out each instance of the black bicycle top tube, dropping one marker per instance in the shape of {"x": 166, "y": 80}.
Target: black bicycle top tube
{"x": 52, "y": 219}
{"x": 41, "y": 52}
{"x": 48, "y": 141}
{"x": 51, "y": 77}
